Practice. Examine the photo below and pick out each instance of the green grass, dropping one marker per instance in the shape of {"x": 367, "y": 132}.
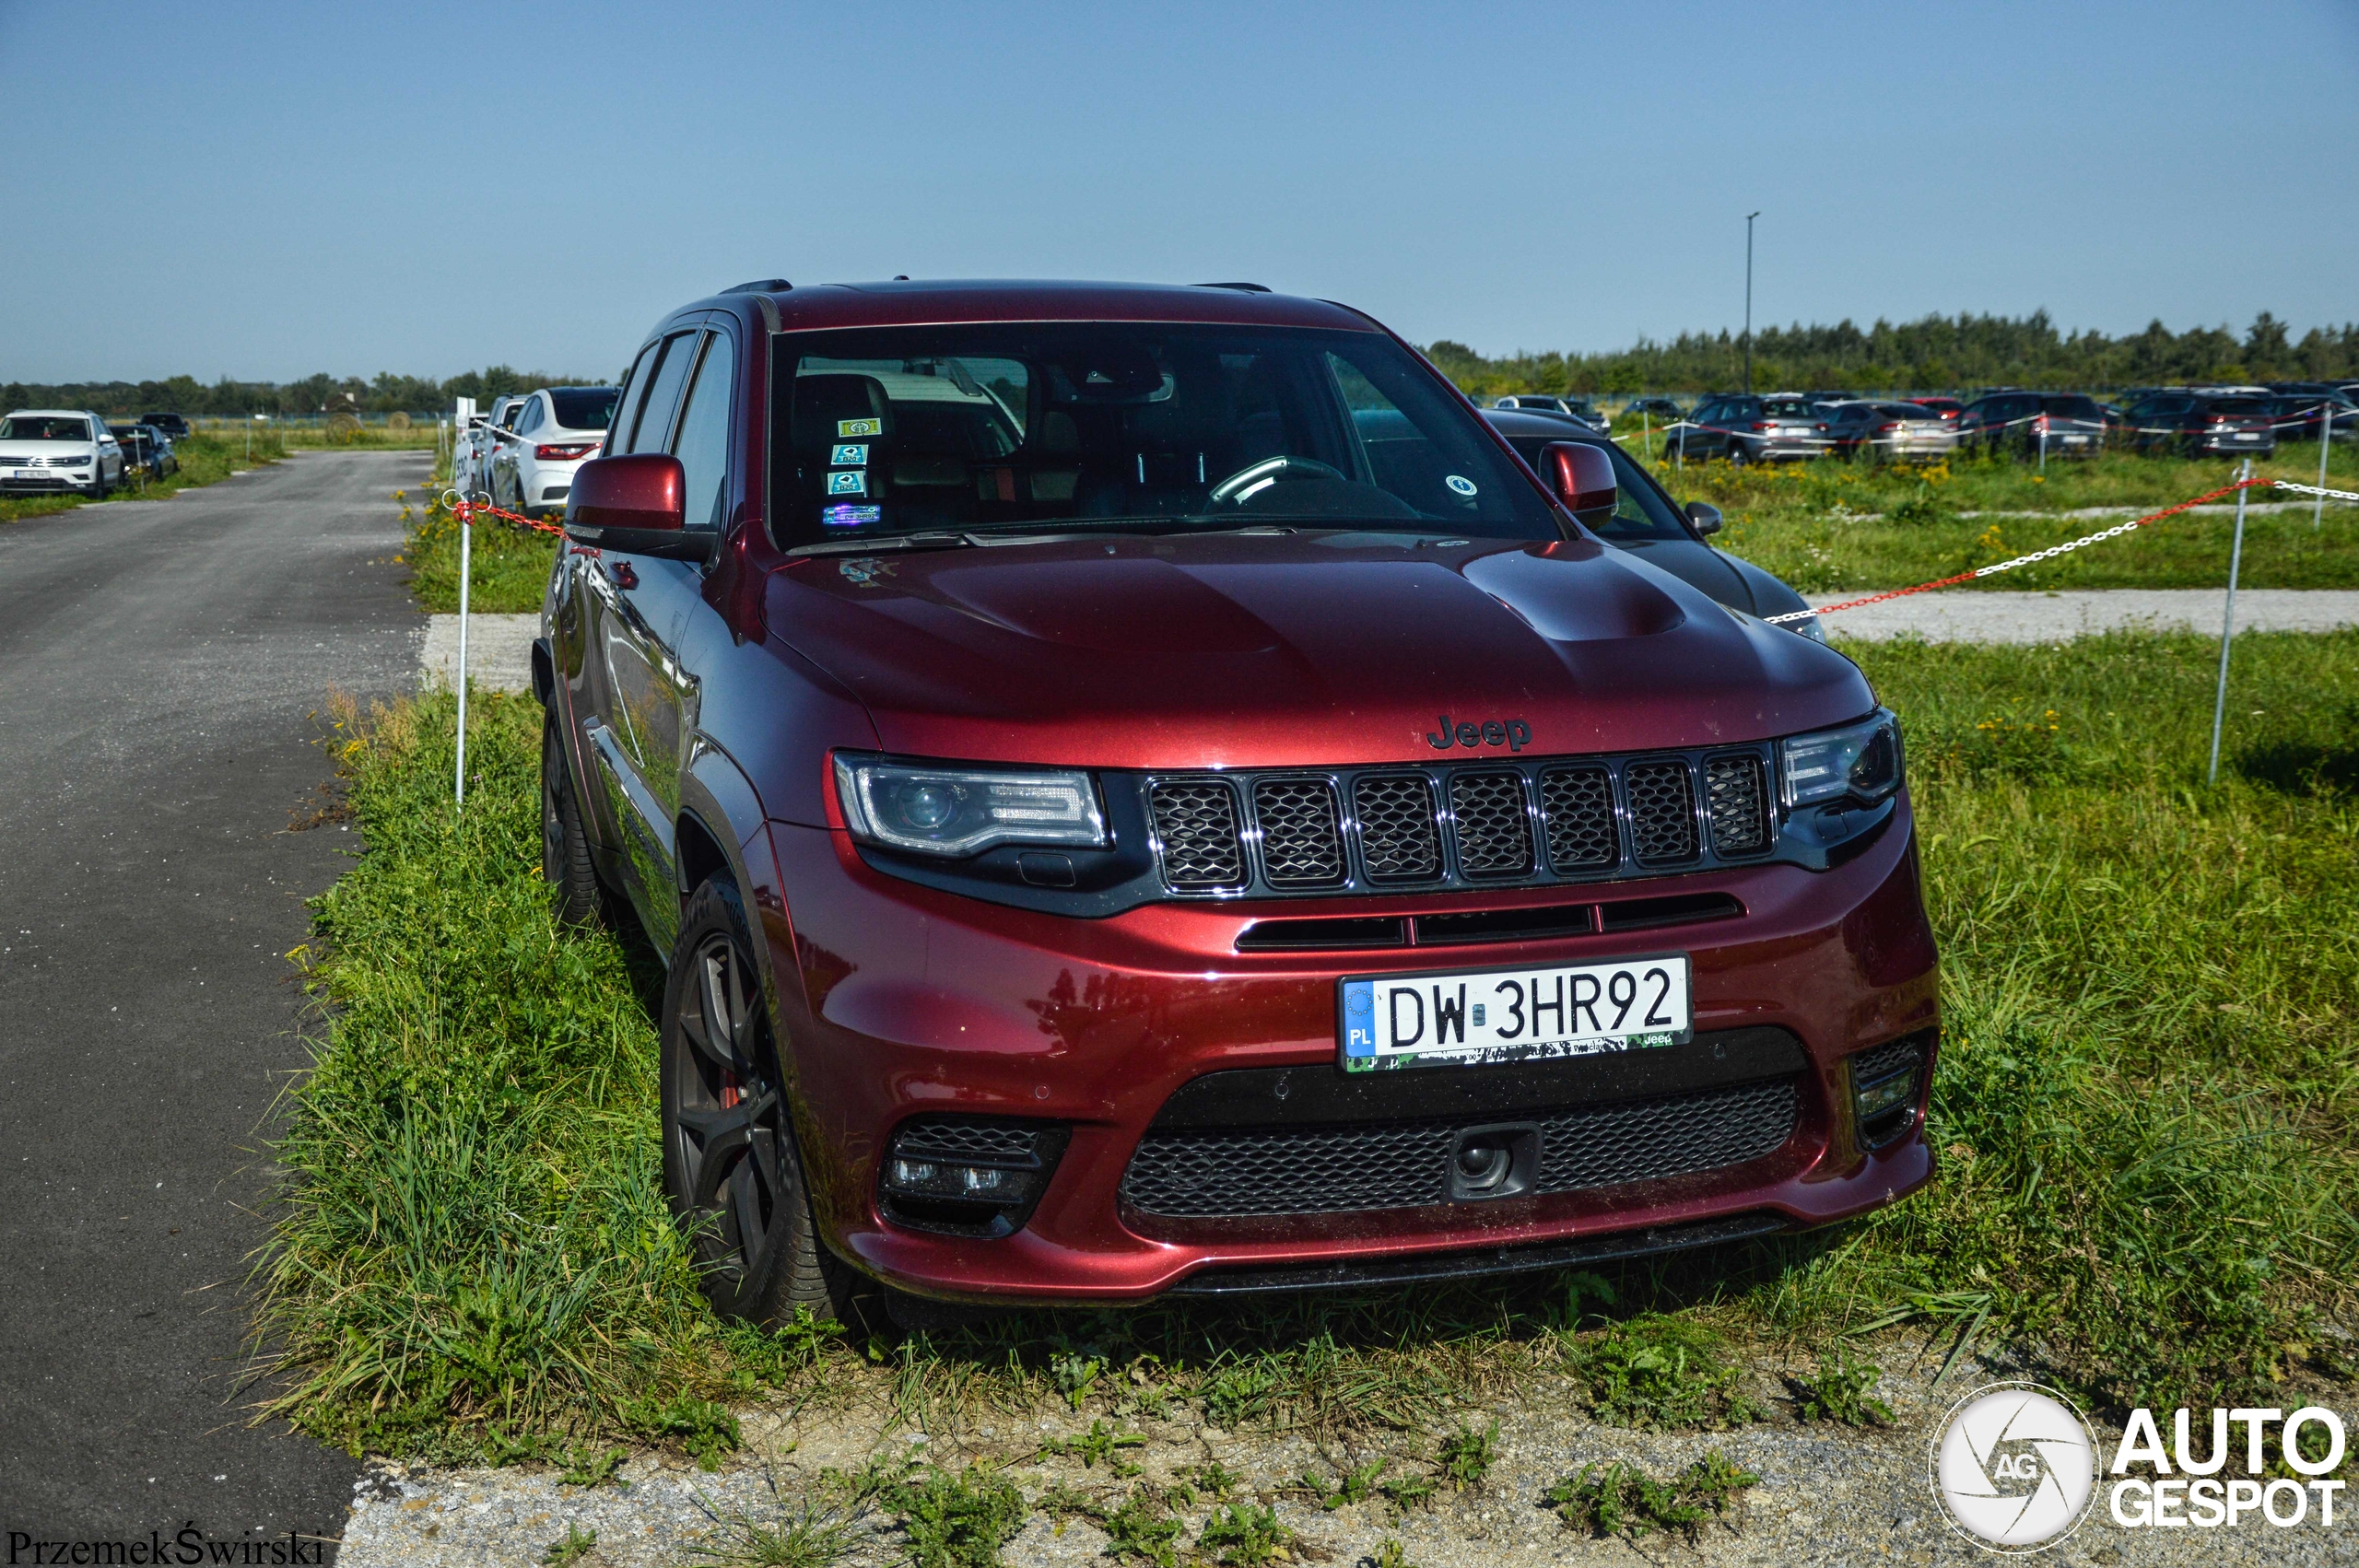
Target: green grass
{"x": 509, "y": 565}
{"x": 1834, "y": 525}
{"x": 2150, "y": 993}
{"x": 203, "y": 459}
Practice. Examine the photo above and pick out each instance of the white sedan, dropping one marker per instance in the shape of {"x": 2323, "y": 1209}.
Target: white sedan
{"x": 555, "y": 431}
{"x": 58, "y": 449}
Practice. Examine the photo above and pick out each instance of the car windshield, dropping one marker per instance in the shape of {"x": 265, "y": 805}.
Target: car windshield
{"x": 2236, "y": 406}
{"x": 584, "y": 408}
{"x": 43, "y": 427}
{"x": 1788, "y": 408}
{"x": 1165, "y": 427}
{"x": 1908, "y": 411}
{"x": 2072, "y": 408}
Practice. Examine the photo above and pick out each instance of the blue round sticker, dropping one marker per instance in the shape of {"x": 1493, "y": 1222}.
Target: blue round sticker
{"x": 1460, "y": 483}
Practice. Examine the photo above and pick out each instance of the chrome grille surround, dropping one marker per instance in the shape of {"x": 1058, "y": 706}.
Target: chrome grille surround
{"x": 1496, "y": 822}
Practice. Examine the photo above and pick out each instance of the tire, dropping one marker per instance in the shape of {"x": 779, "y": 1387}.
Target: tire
{"x": 1736, "y": 455}
{"x": 566, "y": 865}
{"x": 732, "y": 1171}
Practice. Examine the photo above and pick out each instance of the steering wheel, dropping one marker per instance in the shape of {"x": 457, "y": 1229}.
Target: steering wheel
{"x": 1254, "y": 478}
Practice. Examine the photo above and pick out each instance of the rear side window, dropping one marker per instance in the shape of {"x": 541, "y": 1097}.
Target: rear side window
{"x": 703, "y": 444}
{"x": 584, "y": 408}
{"x": 664, "y": 393}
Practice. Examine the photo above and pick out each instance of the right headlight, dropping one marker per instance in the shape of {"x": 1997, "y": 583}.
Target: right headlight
{"x": 940, "y": 810}
{"x": 1859, "y": 761}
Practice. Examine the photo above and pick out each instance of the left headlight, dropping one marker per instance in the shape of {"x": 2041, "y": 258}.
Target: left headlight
{"x": 962, "y": 810}
{"x": 1860, "y": 761}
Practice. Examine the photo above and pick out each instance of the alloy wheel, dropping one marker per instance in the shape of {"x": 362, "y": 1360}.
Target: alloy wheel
{"x": 732, "y": 1141}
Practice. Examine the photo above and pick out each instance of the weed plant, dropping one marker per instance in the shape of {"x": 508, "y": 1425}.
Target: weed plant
{"x": 2143, "y": 1112}
{"x": 1623, "y": 1499}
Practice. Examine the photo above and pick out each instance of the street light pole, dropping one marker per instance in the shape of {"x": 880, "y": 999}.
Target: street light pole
{"x": 1748, "y": 301}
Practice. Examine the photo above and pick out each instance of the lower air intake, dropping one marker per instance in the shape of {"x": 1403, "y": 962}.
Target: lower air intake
{"x": 1200, "y": 1174}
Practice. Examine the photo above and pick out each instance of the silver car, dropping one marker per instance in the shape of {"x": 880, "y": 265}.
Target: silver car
{"x": 1906, "y": 431}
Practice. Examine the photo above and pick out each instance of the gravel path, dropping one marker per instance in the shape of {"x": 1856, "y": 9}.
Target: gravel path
{"x": 1826, "y": 1495}
{"x": 1955, "y": 615}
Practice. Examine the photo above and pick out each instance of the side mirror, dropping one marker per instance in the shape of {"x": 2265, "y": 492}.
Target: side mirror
{"x": 1705, "y": 516}
{"x": 1582, "y": 477}
{"x": 634, "y": 505}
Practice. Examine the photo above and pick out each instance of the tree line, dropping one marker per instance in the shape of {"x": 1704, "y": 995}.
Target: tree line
{"x": 1936, "y": 353}
{"x": 387, "y": 393}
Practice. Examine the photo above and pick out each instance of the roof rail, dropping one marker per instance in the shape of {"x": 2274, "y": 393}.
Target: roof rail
{"x": 760, "y": 286}
{"x": 1240, "y": 287}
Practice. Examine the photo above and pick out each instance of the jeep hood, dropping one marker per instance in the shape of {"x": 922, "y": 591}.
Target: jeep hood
{"x": 1245, "y": 650}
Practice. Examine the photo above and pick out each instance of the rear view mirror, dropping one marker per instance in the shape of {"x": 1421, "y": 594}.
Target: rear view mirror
{"x": 1705, "y": 516}
{"x": 1582, "y": 475}
{"x": 634, "y": 505}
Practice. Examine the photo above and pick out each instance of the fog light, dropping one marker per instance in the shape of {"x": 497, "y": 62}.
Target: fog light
{"x": 1894, "y": 1092}
{"x": 969, "y": 1176}
{"x": 1885, "y": 1085}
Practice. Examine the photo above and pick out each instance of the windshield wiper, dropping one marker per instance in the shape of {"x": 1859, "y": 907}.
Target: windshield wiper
{"x": 932, "y": 541}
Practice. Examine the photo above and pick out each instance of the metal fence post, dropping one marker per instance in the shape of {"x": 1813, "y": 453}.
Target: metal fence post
{"x": 2227, "y": 628}
{"x": 466, "y": 541}
{"x": 2325, "y": 445}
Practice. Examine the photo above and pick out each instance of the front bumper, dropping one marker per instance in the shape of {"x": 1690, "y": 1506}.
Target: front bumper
{"x": 900, "y": 1000}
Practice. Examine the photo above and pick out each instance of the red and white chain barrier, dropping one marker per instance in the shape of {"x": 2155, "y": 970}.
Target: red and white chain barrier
{"x": 2083, "y": 543}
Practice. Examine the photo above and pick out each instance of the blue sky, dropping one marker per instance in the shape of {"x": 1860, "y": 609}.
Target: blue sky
{"x": 266, "y": 192}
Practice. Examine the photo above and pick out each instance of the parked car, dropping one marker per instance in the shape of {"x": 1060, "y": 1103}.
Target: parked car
{"x": 556, "y": 430}
{"x": 1086, "y": 750}
{"x": 1889, "y": 431}
{"x": 172, "y": 425}
{"x": 2200, "y": 423}
{"x": 58, "y": 449}
{"x": 1660, "y": 410}
{"x": 2060, "y": 424}
{"x": 1648, "y": 523}
{"x": 147, "y": 448}
{"x": 1750, "y": 429}
{"x": 2301, "y": 413}
{"x": 1579, "y": 408}
{"x": 478, "y": 454}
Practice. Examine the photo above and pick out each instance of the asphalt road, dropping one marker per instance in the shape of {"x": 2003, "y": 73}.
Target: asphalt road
{"x": 160, "y": 662}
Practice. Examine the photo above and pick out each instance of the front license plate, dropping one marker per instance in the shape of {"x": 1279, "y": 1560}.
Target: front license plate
{"x": 1481, "y": 1016}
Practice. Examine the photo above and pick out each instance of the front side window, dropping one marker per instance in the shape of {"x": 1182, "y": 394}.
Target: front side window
{"x": 1153, "y": 427}
{"x": 1641, "y": 510}
{"x": 44, "y": 428}
{"x": 702, "y": 446}
{"x": 664, "y": 393}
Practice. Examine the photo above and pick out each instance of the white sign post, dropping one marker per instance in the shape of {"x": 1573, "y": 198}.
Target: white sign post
{"x": 466, "y": 544}
{"x": 2325, "y": 445}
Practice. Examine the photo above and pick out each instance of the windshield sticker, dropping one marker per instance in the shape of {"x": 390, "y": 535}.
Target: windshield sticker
{"x": 851, "y": 517}
{"x": 853, "y": 456}
{"x": 851, "y": 482}
{"x": 847, "y": 429}
{"x": 1460, "y": 483}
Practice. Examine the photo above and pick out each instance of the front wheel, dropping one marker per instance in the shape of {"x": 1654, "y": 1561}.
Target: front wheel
{"x": 732, "y": 1171}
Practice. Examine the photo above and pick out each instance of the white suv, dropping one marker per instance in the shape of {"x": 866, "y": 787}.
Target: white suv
{"x": 555, "y": 431}
{"x": 58, "y": 449}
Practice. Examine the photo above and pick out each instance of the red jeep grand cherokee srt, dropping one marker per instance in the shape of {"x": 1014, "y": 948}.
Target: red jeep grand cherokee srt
{"x": 1143, "y": 790}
